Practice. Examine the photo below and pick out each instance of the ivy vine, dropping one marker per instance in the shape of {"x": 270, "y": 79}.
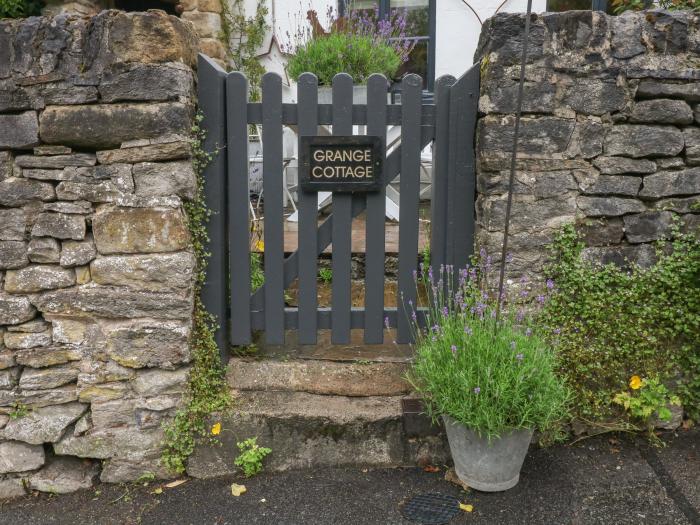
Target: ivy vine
{"x": 242, "y": 36}
{"x": 207, "y": 390}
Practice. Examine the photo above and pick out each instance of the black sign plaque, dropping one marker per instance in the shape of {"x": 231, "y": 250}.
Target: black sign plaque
{"x": 341, "y": 163}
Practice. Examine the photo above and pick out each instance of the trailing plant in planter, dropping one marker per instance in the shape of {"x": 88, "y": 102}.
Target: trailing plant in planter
{"x": 492, "y": 380}
{"x": 359, "y": 44}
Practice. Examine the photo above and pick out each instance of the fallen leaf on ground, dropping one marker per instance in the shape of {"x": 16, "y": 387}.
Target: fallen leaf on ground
{"x": 237, "y": 490}
{"x": 175, "y": 483}
{"x": 465, "y": 507}
{"x": 431, "y": 468}
{"x": 159, "y": 490}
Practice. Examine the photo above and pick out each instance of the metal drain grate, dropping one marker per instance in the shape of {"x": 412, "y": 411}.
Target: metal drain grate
{"x": 431, "y": 508}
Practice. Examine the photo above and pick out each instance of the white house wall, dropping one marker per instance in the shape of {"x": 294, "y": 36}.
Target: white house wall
{"x": 457, "y": 30}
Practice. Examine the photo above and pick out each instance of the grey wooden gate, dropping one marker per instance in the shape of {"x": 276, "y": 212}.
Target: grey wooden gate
{"x": 449, "y": 123}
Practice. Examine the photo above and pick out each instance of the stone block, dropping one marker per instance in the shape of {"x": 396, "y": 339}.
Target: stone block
{"x": 587, "y": 139}
{"x": 622, "y": 165}
{"x": 8, "y": 378}
{"x": 648, "y": 226}
{"x": 112, "y": 442}
{"x": 77, "y": 253}
{"x": 155, "y": 273}
{"x": 539, "y": 137}
{"x": 671, "y": 183}
{"x": 44, "y": 398}
{"x": 11, "y": 488}
{"x": 113, "y": 413}
{"x": 623, "y": 256}
{"x": 120, "y": 470}
{"x": 153, "y": 179}
{"x": 102, "y": 372}
{"x": 48, "y": 356}
{"x": 44, "y": 250}
{"x": 15, "y": 192}
{"x": 591, "y": 183}
{"x": 56, "y": 162}
{"x": 30, "y": 327}
{"x": 643, "y": 141}
{"x": 50, "y": 377}
{"x": 595, "y": 97}
{"x": 63, "y": 475}
{"x": 24, "y": 340}
{"x": 19, "y": 131}
{"x": 608, "y": 206}
{"x": 15, "y": 310}
{"x": 52, "y": 150}
{"x": 76, "y": 207}
{"x": 662, "y": 111}
{"x": 104, "y": 126}
{"x": 212, "y": 47}
{"x": 207, "y": 25}
{"x": 500, "y": 96}
{"x": 6, "y": 165}
{"x": 104, "y": 191}
{"x": 69, "y": 331}
{"x": 13, "y": 225}
{"x": 7, "y": 359}
{"x": 13, "y": 255}
{"x": 103, "y": 392}
{"x": 692, "y": 146}
{"x": 149, "y": 344}
{"x": 60, "y": 226}
{"x": 139, "y": 230}
{"x": 669, "y": 162}
{"x": 653, "y": 88}
{"x": 20, "y": 457}
{"x": 38, "y": 278}
{"x": 177, "y": 149}
{"x": 82, "y": 274}
{"x": 147, "y": 82}
{"x": 113, "y": 302}
{"x": 679, "y": 205}
{"x": 45, "y": 424}
{"x": 151, "y": 37}
{"x": 154, "y": 382}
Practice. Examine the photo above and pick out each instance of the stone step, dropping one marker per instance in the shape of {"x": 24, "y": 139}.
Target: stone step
{"x": 319, "y": 377}
{"x": 311, "y": 430}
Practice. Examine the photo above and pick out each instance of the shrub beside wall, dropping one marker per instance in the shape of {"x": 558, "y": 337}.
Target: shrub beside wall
{"x": 96, "y": 269}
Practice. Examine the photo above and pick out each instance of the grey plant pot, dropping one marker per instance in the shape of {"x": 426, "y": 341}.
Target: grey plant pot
{"x": 489, "y": 467}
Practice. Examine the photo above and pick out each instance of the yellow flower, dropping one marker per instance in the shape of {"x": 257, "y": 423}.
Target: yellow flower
{"x": 635, "y": 382}
{"x": 466, "y": 508}
{"x": 260, "y": 246}
{"x": 216, "y": 429}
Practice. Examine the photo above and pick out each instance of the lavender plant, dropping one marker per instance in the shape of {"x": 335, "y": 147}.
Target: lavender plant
{"x": 358, "y": 44}
{"x": 492, "y": 375}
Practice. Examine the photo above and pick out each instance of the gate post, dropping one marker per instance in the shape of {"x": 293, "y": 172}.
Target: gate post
{"x": 212, "y": 103}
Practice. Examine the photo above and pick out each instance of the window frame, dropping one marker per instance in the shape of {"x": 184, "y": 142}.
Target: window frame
{"x": 385, "y": 6}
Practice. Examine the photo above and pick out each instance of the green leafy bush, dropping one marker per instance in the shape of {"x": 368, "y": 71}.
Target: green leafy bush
{"x": 251, "y": 457}
{"x": 620, "y": 6}
{"x": 20, "y": 8}
{"x": 491, "y": 376}
{"x": 357, "y": 55}
{"x": 648, "y": 398}
{"x": 608, "y": 324}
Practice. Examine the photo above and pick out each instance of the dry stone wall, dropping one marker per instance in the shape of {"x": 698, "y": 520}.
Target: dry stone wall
{"x": 96, "y": 270}
{"x": 610, "y": 134}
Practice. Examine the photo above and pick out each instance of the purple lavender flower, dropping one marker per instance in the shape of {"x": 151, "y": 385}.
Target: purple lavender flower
{"x": 386, "y": 322}
{"x": 453, "y": 348}
{"x": 528, "y": 332}
{"x": 477, "y": 390}
{"x": 557, "y": 331}
{"x": 520, "y": 357}
{"x": 541, "y": 299}
{"x": 520, "y": 316}
{"x": 509, "y": 257}
{"x": 550, "y": 284}
{"x": 523, "y": 293}
{"x": 445, "y": 311}
{"x": 512, "y": 345}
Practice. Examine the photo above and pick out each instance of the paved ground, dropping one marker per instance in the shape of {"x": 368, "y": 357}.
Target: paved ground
{"x": 601, "y": 480}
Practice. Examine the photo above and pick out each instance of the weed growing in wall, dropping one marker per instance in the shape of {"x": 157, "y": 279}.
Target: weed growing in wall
{"x": 609, "y": 324}
{"x": 207, "y": 390}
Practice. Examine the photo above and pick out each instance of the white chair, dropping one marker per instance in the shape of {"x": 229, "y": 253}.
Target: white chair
{"x": 256, "y": 136}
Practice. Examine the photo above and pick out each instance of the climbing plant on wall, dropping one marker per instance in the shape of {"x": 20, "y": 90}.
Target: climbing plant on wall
{"x": 242, "y": 37}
